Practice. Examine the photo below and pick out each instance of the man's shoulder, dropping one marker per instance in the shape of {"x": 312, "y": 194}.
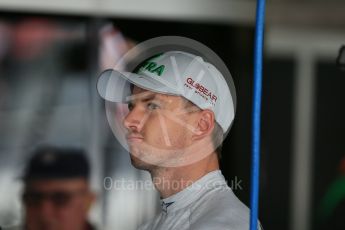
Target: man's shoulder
{"x": 220, "y": 209}
{"x": 151, "y": 223}
{"x": 222, "y": 199}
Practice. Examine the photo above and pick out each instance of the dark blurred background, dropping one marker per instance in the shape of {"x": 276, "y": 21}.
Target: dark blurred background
{"x": 51, "y": 55}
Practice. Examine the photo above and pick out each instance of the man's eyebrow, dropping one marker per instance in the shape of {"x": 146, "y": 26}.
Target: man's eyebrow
{"x": 144, "y": 97}
{"x": 149, "y": 98}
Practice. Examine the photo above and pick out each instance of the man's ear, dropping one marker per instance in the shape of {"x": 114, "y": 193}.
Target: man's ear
{"x": 205, "y": 124}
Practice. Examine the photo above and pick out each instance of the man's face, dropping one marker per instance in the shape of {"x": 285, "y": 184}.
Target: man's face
{"x": 57, "y": 204}
{"x": 159, "y": 128}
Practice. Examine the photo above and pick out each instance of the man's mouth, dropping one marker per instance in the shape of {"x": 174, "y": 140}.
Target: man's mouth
{"x": 134, "y": 138}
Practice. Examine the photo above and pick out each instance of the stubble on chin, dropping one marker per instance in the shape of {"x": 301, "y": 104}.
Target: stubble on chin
{"x": 139, "y": 164}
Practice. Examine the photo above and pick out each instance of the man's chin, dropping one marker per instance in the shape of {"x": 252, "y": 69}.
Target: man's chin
{"x": 139, "y": 164}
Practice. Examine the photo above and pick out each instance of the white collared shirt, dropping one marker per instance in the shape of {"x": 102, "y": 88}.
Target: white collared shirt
{"x": 208, "y": 203}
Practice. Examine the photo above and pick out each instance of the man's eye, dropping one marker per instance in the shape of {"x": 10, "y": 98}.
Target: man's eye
{"x": 152, "y": 106}
{"x": 130, "y": 106}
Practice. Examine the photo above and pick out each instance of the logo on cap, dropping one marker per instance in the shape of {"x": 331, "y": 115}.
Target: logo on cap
{"x": 202, "y": 90}
{"x": 151, "y": 66}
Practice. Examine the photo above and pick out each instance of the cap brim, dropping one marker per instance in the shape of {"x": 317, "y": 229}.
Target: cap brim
{"x": 114, "y": 86}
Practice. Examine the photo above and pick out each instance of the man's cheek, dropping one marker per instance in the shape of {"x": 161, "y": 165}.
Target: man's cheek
{"x": 68, "y": 218}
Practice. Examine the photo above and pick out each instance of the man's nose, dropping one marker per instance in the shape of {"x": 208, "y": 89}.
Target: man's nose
{"x": 135, "y": 119}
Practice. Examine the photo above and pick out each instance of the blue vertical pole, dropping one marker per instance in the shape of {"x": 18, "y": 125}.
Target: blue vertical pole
{"x": 255, "y": 173}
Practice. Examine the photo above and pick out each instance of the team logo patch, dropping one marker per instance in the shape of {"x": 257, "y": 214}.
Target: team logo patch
{"x": 202, "y": 90}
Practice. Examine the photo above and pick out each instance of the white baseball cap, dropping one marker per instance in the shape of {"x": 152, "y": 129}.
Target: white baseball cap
{"x": 174, "y": 73}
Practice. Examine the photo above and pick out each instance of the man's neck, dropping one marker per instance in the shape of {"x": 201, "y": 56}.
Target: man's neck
{"x": 169, "y": 181}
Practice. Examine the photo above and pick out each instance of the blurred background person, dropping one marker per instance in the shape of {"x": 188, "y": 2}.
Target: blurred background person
{"x": 56, "y": 191}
